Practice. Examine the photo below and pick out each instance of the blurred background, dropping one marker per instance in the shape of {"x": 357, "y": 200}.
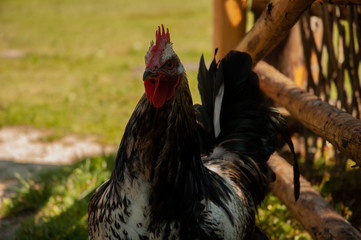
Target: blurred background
{"x": 75, "y": 66}
{"x": 70, "y": 77}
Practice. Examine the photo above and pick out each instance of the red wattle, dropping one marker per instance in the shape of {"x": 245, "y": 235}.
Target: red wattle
{"x": 149, "y": 89}
{"x": 159, "y": 91}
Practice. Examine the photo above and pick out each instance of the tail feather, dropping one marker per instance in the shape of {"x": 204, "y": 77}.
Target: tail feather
{"x": 208, "y": 90}
{"x": 236, "y": 116}
{"x": 243, "y": 115}
{"x": 280, "y": 125}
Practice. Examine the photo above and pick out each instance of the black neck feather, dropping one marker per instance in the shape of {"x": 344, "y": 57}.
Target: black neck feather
{"x": 162, "y": 145}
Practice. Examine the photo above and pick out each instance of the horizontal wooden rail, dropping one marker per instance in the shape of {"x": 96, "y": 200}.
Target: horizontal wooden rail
{"x": 336, "y": 126}
{"x": 275, "y": 22}
{"x": 272, "y": 27}
{"x": 313, "y": 212}
{"x": 341, "y": 2}
{"x": 259, "y": 5}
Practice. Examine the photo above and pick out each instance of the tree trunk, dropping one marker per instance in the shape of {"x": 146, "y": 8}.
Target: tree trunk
{"x": 291, "y": 61}
{"x": 336, "y": 126}
{"x": 229, "y": 24}
{"x": 314, "y": 213}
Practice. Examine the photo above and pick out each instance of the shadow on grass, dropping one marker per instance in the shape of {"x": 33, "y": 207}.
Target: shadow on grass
{"x": 345, "y": 191}
{"x": 69, "y": 224}
{"x": 27, "y": 193}
{"x": 58, "y": 200}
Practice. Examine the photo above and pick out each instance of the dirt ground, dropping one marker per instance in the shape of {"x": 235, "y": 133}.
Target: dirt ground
{"x": 24, "y": 150}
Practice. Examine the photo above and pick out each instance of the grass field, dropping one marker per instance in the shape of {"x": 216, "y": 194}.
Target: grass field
{"x": 83, "y": 60}
{"x": 79, "y": 71}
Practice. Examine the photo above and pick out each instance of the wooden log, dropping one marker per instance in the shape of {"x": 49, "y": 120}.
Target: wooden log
{"x": 336, "y": 126}
{"x": 311, "y": 210}
{"x": 229, "y": 24}
{"x": 341, "y": 2}
{"x": 259, "y": 5}
{"x": 272, "y": 27}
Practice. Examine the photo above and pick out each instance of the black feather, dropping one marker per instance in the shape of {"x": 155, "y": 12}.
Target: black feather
{"x": 259, "y": 234}
{"x": 280, "y": 124}
{"x": 249, "y": 125}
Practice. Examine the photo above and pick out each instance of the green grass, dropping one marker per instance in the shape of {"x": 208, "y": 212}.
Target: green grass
{"x": 82, "y": 69}
{"x": 58, "y": 200}
{"x": 277, "y": 222}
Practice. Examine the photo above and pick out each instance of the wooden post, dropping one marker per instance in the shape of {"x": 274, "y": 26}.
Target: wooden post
{"x": 314, "y": 213}
{"x": 291, "y": 60}
{"x": 229, "y": 18}
{"x": 334, "y": 125}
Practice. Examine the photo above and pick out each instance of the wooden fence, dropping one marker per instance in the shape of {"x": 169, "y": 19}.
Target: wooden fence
{"x": 276, "y": 18}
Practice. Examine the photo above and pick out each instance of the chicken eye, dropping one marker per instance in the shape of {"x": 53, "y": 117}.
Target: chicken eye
{"x": 170, "y": 64}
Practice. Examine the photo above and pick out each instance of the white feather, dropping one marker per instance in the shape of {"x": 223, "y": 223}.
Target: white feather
{"x": 167, "y": 53}
{"x": 147, "y": 56}
{"x": 237, "y": 205}
{"x": 217, "y": 111}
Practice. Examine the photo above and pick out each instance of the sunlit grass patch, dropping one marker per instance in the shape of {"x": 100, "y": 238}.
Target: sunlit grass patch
{"x": 57, "y": 200}
{"x": 276, "y": 221}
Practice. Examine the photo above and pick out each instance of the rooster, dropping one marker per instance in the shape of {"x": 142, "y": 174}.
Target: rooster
{"x": 185, "y": 172}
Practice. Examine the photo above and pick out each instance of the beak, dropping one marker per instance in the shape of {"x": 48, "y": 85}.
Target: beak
{"x": 148, "y": 74}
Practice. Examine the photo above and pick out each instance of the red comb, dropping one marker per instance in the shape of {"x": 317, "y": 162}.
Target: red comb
{"x": 160, "y": 35}
{"x": 161, "y": 39}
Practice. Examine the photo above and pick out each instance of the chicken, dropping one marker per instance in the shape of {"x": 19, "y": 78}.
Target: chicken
{"x": 184, "y": 172}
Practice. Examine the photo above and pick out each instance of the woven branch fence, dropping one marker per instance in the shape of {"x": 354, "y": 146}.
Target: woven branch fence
{"x": 317, "y": 80}
{"x": 331, "y": 47}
